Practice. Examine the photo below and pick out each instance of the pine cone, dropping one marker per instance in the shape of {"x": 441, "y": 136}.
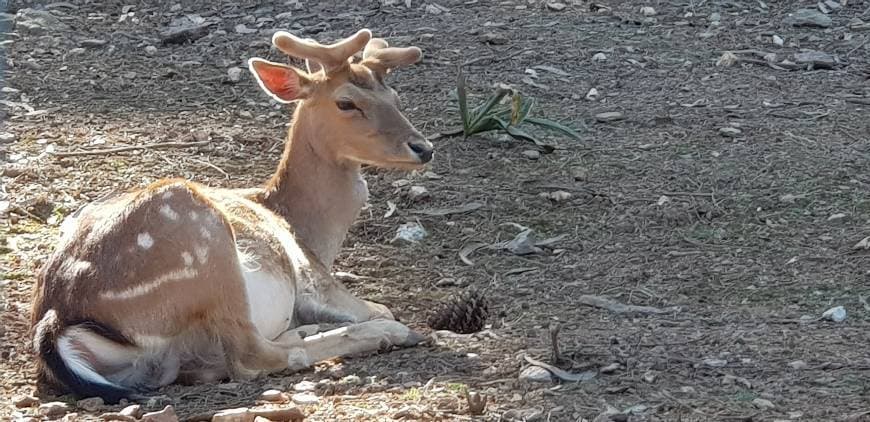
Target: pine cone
{"x": 465, "y": 313}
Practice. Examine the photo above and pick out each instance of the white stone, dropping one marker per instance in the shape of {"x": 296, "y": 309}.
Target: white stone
{"x": 234, "y": 74}
{"x": 798, "y": 365}
{"x": 305, "y": 398}
{"x": 242, "y": 414}
{"x": 305, "y": 386}
{"x": 53, "y": 410}
{"x": 531, "y": 154}
{"x": 273, "y": 396}
{"x": 410, "y": 232}
{"x": 763, "y": 403}
{"x": 165, "y": 415}
{"x": 418, "y": 193}
{"x": 730, "y": 132}
{"x": 535, "y": 374}
{"x": 836, "y": 314}
{"x": 133, "y": 411}
{"x": 592, "y": 95}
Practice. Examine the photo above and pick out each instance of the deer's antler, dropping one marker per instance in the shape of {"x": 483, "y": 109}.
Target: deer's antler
{"x": 381, "y": 58}
{"x": 330, "y": 57}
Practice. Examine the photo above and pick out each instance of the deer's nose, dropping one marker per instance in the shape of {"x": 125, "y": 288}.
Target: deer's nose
{"x": 423, "y": 150}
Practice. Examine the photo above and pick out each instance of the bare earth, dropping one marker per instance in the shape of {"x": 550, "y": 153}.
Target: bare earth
{"x": 741, "y": 235}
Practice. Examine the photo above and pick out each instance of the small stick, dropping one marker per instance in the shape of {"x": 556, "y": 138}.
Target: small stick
{"x": 494, "y": 58}
{"x": 131, "y": 148}
{"x": 20, "y": 210}
{"x": 206, "y": 163}
{"x": 446, "y": 134}
{"x": 555, "y": 327}
{"x": 619, "y": 308}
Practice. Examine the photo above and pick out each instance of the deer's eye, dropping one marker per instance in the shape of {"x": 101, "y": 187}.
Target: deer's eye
{"x": 346, "y": 105}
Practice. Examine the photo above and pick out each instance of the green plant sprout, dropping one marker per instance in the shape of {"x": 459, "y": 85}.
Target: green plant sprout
{"x": 492, "y": 114}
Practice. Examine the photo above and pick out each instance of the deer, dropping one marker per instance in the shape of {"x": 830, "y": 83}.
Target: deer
{"x": 178, "y": 282}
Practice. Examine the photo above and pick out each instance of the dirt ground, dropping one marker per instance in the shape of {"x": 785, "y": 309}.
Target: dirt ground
{"x": 747, "y": 236}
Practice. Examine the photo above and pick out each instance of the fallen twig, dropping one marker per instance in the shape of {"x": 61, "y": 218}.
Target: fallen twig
{"x": 563, "y": 374}
{"x": 20, "y": 210}
{"x": 206, "y": 163}
{"x": 445, "y": 134}
{"x": 703, "y": 194}
{"x": 555, "y": 327}
{"x": 468, "y": 250}
{"x": 159, "y": 145}
{"x": 858, "y": 416}
{"x": 863, "y": 101}
{"x": 620, "y": 308}
{"x": 494, "y": 58}
{"x": 730, "y": 58}
{"x": 441, "y": 212}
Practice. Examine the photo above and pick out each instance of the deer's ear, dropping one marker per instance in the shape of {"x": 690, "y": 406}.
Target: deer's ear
{"x": 281, "y": 82}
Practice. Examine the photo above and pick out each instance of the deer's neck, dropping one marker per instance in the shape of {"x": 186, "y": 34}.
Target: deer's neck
{"x": 319, "y": 196}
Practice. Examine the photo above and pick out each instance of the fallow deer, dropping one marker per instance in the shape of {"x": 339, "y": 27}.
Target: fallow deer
{"x": 181, "y": 282}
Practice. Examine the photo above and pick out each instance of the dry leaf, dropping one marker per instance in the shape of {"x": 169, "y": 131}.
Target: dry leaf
{"x": 468, "y": 250}
{"x": 392, "y": 209}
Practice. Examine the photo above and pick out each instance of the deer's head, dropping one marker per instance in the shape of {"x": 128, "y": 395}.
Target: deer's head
{"x": 348, "y": 100}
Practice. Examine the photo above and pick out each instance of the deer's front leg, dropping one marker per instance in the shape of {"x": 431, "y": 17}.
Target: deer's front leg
{"x": 364, "y": 337}
{"x": 354, "y": 339}
{"x": 326, "y": 300}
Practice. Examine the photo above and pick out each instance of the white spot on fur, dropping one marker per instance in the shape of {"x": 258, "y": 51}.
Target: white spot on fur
{"x": 76, "y": 268}
{"x": 193, "y": 215}
{"x": 168, "y": 212}
{"x": 201, "y": 254}
{"x": 167, "y": 194}
{"x": 188, "y": 258}
{"x": 212, "y": 217}
{"x": 151, "y": 285}
{"x": 205, "y": 233}
{"x": 81, "y": 266}
{"x": 144, "y": 240}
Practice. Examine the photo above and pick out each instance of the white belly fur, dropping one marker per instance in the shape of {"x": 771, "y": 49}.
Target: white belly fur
{"x": 272, "y": 296}
{"x": 270, "y": 302}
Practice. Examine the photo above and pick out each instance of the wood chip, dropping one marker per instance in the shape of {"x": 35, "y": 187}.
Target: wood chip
{"x": 440, "y": 212}
{"x": 620, "y": 308}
